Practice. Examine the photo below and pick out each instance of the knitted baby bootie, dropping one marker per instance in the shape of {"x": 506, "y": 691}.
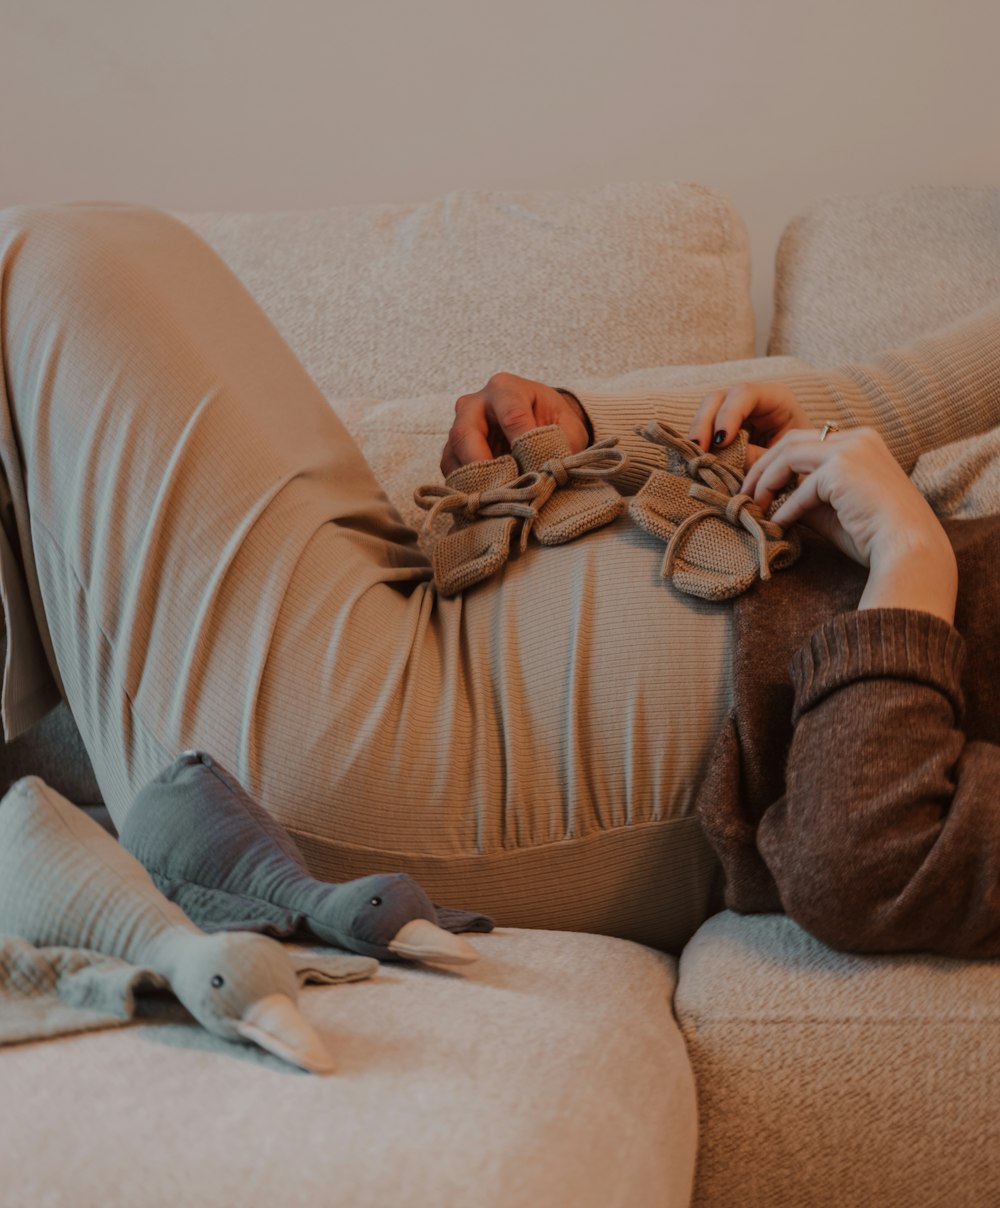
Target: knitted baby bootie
{"x": 486, "y": 502}
{"x": 719, "y": 542}
{"x": 541, "y": 485}
{"x": 582, "y": 498}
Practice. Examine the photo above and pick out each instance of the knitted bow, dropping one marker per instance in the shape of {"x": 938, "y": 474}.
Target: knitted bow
{"x": 695, "y": 462}
{"x": 525, "y": 496}
{"x": 521, "y": 499}
{"x": 736, "y": 509}
{"x": 717, "y": 549}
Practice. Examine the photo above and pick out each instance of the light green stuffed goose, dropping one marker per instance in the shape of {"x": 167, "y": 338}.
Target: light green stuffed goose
{"x": 64, "y": 881}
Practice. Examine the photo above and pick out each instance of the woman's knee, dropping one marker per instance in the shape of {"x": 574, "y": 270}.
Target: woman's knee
{"x": 64, "y": 250}
{"x": 69, "y": 224}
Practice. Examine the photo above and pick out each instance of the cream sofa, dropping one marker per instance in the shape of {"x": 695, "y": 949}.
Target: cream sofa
{"x": 564, "y": 1068}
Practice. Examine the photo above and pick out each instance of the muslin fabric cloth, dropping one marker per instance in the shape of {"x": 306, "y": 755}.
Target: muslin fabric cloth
{"x": 55, "y": 990}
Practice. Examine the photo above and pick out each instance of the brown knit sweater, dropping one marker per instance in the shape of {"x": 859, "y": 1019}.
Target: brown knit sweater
{"x": 856, "y": 784}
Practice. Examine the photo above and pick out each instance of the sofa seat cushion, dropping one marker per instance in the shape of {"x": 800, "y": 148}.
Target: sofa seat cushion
{"x": 551, "y": 1072}
{"x": 830, "y": 1079}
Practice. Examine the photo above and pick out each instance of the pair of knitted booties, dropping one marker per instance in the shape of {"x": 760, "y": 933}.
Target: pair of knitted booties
{"x": 719, "y": 542}
{"x": 541, "y": 487}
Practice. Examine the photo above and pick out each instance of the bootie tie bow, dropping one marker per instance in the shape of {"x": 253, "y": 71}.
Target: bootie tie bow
{"x": 541, "y": 487}
{"x": 719, "y": 542}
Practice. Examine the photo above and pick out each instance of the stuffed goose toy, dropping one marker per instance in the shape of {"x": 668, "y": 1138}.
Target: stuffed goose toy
{"x": 220, "y": 856}
{"x": 64, "y": 881}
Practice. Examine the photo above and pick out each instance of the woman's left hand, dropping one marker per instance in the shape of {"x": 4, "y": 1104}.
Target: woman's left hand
{"x": 852, "y": 490}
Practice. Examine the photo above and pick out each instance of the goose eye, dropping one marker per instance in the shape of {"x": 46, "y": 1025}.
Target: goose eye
{"x": 218, "y": 981}
{"x": 376, "y": 901}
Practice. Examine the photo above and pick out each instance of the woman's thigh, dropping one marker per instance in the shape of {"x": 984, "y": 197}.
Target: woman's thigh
{"x": 216, "y": 567}
{"x": 172, "y": 463}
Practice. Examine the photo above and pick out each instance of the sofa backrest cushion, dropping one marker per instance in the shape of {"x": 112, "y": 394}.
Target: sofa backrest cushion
{"x": 392, "y": 301}
{"x": 858, "y": 275}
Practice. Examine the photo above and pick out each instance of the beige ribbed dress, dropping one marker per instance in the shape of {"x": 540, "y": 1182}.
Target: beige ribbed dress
{"x": 195, "y": 553}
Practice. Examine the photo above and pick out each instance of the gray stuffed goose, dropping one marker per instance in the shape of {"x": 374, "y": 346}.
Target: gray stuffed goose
{"x": 219, "y": 855}
{"x": 64, "y": 881}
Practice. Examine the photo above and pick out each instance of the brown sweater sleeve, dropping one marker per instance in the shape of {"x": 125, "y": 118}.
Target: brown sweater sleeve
{"x": 888, "y": 836}
{"x": 936, "y": 389}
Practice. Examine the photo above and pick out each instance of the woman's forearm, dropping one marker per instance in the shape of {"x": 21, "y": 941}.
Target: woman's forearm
{"x": 936, "y": 389}
{"x": 919, "y": 574}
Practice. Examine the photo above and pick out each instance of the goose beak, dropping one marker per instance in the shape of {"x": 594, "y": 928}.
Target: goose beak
{"x": 276, "y": 1024}
{"x": 422, "y": 940}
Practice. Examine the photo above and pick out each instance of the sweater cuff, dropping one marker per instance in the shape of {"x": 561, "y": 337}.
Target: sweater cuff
{"x": 874, "y": 643}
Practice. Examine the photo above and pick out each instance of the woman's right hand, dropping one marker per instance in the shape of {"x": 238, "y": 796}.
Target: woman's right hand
{"x": 766, "y": 409}
{"x": 850, "y": 488}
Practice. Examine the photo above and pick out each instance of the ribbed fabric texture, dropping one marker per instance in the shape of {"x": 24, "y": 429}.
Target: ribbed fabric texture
{"x": 937, "y": 389}
{"x": 219, "y": 568}
{"x": 878, "y": 642}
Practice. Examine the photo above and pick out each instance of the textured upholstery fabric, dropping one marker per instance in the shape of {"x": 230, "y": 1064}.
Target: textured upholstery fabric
{"x": 827, "y": 1079}
{"x": 856, "y": 275}
{"x": 550, "y": 1073}
{"x": 391, "y": 301}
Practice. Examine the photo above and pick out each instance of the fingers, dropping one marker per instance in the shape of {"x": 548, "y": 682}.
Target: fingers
{"x": 702, "y": 427}
{"x": 726, "y": 411}
{"x": 797, "y": 452}
{"x": 512, "y": 404}
{"x": 487, "y": 421}
{"x": 766, "y": 409}
{"x": 468, "y": 439}
{"x": 490, "y": 420}
{"x": 806, "y": 497}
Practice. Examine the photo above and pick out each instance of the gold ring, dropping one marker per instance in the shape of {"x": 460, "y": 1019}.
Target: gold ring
{"x": 828, "y": 427}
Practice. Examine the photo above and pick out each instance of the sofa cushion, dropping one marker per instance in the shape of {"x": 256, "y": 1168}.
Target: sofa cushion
{"x": 829, "y": 1079}
{"x": 549, "y": 1073}
{"x": 397, "y": 300}
{"x": 858, "y": 275}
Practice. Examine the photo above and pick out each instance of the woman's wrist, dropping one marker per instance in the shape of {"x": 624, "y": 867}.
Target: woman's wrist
{"x": 921, "y": 575}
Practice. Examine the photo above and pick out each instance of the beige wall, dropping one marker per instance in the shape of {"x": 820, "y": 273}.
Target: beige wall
{"x": 257, "y": 104}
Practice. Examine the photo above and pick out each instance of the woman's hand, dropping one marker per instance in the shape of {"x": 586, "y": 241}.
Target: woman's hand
{"x": 508, "y": 406}
{"x": 850, "y": 488}
{"x": 766, "y": 409}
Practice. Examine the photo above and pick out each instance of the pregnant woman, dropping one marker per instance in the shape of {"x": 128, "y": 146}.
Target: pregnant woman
{"x": 194, "y": 553}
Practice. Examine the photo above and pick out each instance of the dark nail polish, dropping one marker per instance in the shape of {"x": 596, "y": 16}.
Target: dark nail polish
{"x": 719, "y": 437}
